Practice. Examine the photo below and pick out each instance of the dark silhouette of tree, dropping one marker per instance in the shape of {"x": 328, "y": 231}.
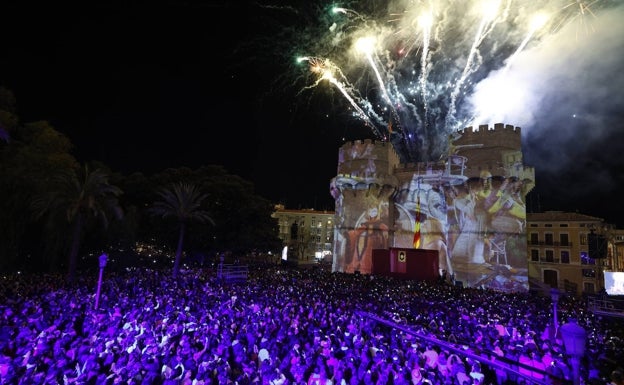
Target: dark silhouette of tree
{"x": 137, "y": 198}
{"x": 78, "y": 200}
{"x": 34, "y": 152}
{"x": 245, "y": 222}
{"x": 181, "y": 201}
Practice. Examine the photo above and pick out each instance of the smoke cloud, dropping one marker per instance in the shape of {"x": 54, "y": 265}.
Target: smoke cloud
{"x": 566, "y": 94}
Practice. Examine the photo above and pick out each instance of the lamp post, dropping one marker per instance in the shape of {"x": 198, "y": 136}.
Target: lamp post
{"x": 574, "y": 337}
{"x": 554, "y": 296}
{"x": 103, "y": 259}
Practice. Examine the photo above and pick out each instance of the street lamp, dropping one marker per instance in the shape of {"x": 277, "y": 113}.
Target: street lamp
{"x": 103, "y": 259}
{"x": 574, "y": 337}
{"x": 554, "y": 296}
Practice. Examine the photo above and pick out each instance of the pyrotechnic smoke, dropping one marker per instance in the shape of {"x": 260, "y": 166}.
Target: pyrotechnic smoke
{"x": 432, "y": 67}
{"x": 571, "y": 108}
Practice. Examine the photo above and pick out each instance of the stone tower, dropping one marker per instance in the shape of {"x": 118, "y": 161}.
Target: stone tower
{"x": 469, "y": 206}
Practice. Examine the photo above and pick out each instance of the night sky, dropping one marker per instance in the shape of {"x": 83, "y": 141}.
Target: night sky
{"x": 143, "y": 86}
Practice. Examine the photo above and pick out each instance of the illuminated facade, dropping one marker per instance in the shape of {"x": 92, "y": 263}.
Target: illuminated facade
{"x": 308, "y": 234}
{"x": 617, "y": 250}
{"x": 560, "y": 254}
{"x": 469, "y": 206}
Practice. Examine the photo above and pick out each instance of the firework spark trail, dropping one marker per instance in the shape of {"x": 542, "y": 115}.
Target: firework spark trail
{"x": 583, "y": 9}
{"x": 359, "y": 110}
{"x": 326, "y": 69}
{"x": 483, "y": 30}
{"x": 366, "y": 46}
{"x": 538, "y": 22}
{"x": 348, "y": 12}
{"x": 425, "y": 22}
{"x": 430, "y": 79}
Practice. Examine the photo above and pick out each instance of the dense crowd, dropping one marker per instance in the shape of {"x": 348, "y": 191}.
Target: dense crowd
{"x": 287, "y": 326}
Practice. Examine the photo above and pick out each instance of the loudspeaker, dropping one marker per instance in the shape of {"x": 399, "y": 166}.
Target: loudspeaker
{"x": 596, "y": 246}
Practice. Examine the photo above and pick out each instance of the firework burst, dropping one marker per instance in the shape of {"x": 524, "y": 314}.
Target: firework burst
{"x": 411, "y": 71}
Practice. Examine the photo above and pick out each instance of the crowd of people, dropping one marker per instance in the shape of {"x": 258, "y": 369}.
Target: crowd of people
{"x": 285, "y": 325}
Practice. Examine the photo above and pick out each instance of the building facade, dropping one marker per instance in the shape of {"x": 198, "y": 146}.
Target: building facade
{"x": 616, "y": 249}
{"x": 562, "y": 252}
{"x": 307, "y": 234}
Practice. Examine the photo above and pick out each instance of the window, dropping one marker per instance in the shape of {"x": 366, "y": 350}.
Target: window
{"x": 534, "y": 255}
{"x": 534, "y": 239}
{"x": 563, "y": 225}
{"x": 551, "y": 277}
{"x": 548, "y": 225}
{"x": 589, "y": 273}
{"x": 563, "y": 239}
{"x": 550, "y": 256}
{"x": 589, "y": 288}
{"x": 548, "y": 238}
{"x": 565, "y": 256}
{"x": 583, "y": 239}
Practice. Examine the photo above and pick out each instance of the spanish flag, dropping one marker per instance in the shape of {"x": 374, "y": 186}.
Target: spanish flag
{"x": 417, "y": 224}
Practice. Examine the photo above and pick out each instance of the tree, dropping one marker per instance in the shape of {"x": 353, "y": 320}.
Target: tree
{"x": 138, "y": 196}
{"x": 34, "y": 153}
{"x": 244, "y": 218}
{"x": 78, "y": 202}
{"x": 301, "y": 242}
{"x": 181, "y": 201}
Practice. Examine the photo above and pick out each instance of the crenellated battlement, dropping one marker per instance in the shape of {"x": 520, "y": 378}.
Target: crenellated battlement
{"x": 485, "y": 129}
{"x": 369, "y": 147}
{"x": 367, "y": 157}
{"x": 496, "y": 149}
{"x": 499, "y": 136}
{"x": 378, "y": 143}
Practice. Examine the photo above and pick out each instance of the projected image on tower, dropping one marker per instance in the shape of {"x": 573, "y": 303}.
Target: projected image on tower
{"x": 362, "y": 208}
{"x": 473, "y": 218}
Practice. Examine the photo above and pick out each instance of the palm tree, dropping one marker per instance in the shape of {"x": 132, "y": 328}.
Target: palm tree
{"x": 181, "y": 201}
{"x": 78, "y": 201}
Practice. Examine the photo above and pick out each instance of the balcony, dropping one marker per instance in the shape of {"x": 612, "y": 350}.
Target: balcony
{"x": 552, "y": 244}
{"x": 549, "y": 260}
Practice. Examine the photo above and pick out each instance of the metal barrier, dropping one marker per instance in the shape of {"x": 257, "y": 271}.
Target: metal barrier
{"x": 606, "y": 307}
{"x": 232, "y": 273}
{"x": 548, "y": 377}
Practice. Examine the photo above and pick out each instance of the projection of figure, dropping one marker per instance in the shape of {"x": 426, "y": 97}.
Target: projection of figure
{"x": 371, "y": 233}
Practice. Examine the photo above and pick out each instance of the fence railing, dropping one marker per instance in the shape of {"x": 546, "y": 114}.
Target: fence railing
{"x": 512, "y": 368}
{"x": 232, "y": 273}
{"x": 606, "y": 307}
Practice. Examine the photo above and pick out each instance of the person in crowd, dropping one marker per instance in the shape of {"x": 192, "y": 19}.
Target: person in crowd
{"x": 282, "y": 326}
{"x": 617, "y": 377}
